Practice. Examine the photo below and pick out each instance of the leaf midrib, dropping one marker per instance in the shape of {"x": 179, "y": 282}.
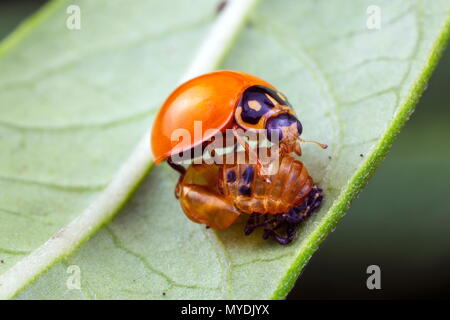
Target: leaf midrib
{"x": 134, "y": 169}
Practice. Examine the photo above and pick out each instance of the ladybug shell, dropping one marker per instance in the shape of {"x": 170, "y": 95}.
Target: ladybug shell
{"x": 210, "y": 98}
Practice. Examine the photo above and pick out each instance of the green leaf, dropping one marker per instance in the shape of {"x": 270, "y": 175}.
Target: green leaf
{"x": 75, "y": 103}
{"x": 12, "y": 12}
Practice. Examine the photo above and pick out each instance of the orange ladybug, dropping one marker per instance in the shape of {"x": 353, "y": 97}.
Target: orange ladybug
{"x": 216, "y": 194}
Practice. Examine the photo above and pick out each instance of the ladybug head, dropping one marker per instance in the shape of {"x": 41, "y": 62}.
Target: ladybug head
{"x": 287, "y": 130}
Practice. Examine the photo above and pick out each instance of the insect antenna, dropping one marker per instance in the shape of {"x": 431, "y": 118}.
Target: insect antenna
{"x": 321, "y": 145}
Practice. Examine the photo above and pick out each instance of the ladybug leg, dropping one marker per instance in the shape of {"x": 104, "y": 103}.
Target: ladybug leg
{"x": 278, "y": 222}
{"x": 284, "y": 240}
{"x": 252, "y": 154}
{"x": 281, "y": 239}
{"x": 312, "y": 202}
{"x": 246, "y": 146}
{"x": 176, "y": 166}
{"x": 292, "y": 216}
{"x": 205, "y": 206}
{"x": 254, "y": 222}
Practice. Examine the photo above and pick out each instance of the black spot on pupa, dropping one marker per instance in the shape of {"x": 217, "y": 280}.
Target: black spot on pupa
{"x": 231, "y": 176}
{"x": 245, "y": 191}
{"x": 361, "y": 155}
{"x": 247, "y": 176}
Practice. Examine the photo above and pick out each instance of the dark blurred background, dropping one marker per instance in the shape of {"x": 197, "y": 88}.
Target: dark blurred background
{"x": 400, "y": 222}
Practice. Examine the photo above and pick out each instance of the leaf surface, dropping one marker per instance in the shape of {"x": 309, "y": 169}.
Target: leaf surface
{"x": 74, "y": 104}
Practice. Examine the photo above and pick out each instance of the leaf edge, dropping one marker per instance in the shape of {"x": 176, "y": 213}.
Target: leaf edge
{"x": 361, "y": 177}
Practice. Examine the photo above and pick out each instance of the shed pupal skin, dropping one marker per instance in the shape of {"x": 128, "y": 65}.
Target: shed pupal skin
{"x": 217, "y": 195}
